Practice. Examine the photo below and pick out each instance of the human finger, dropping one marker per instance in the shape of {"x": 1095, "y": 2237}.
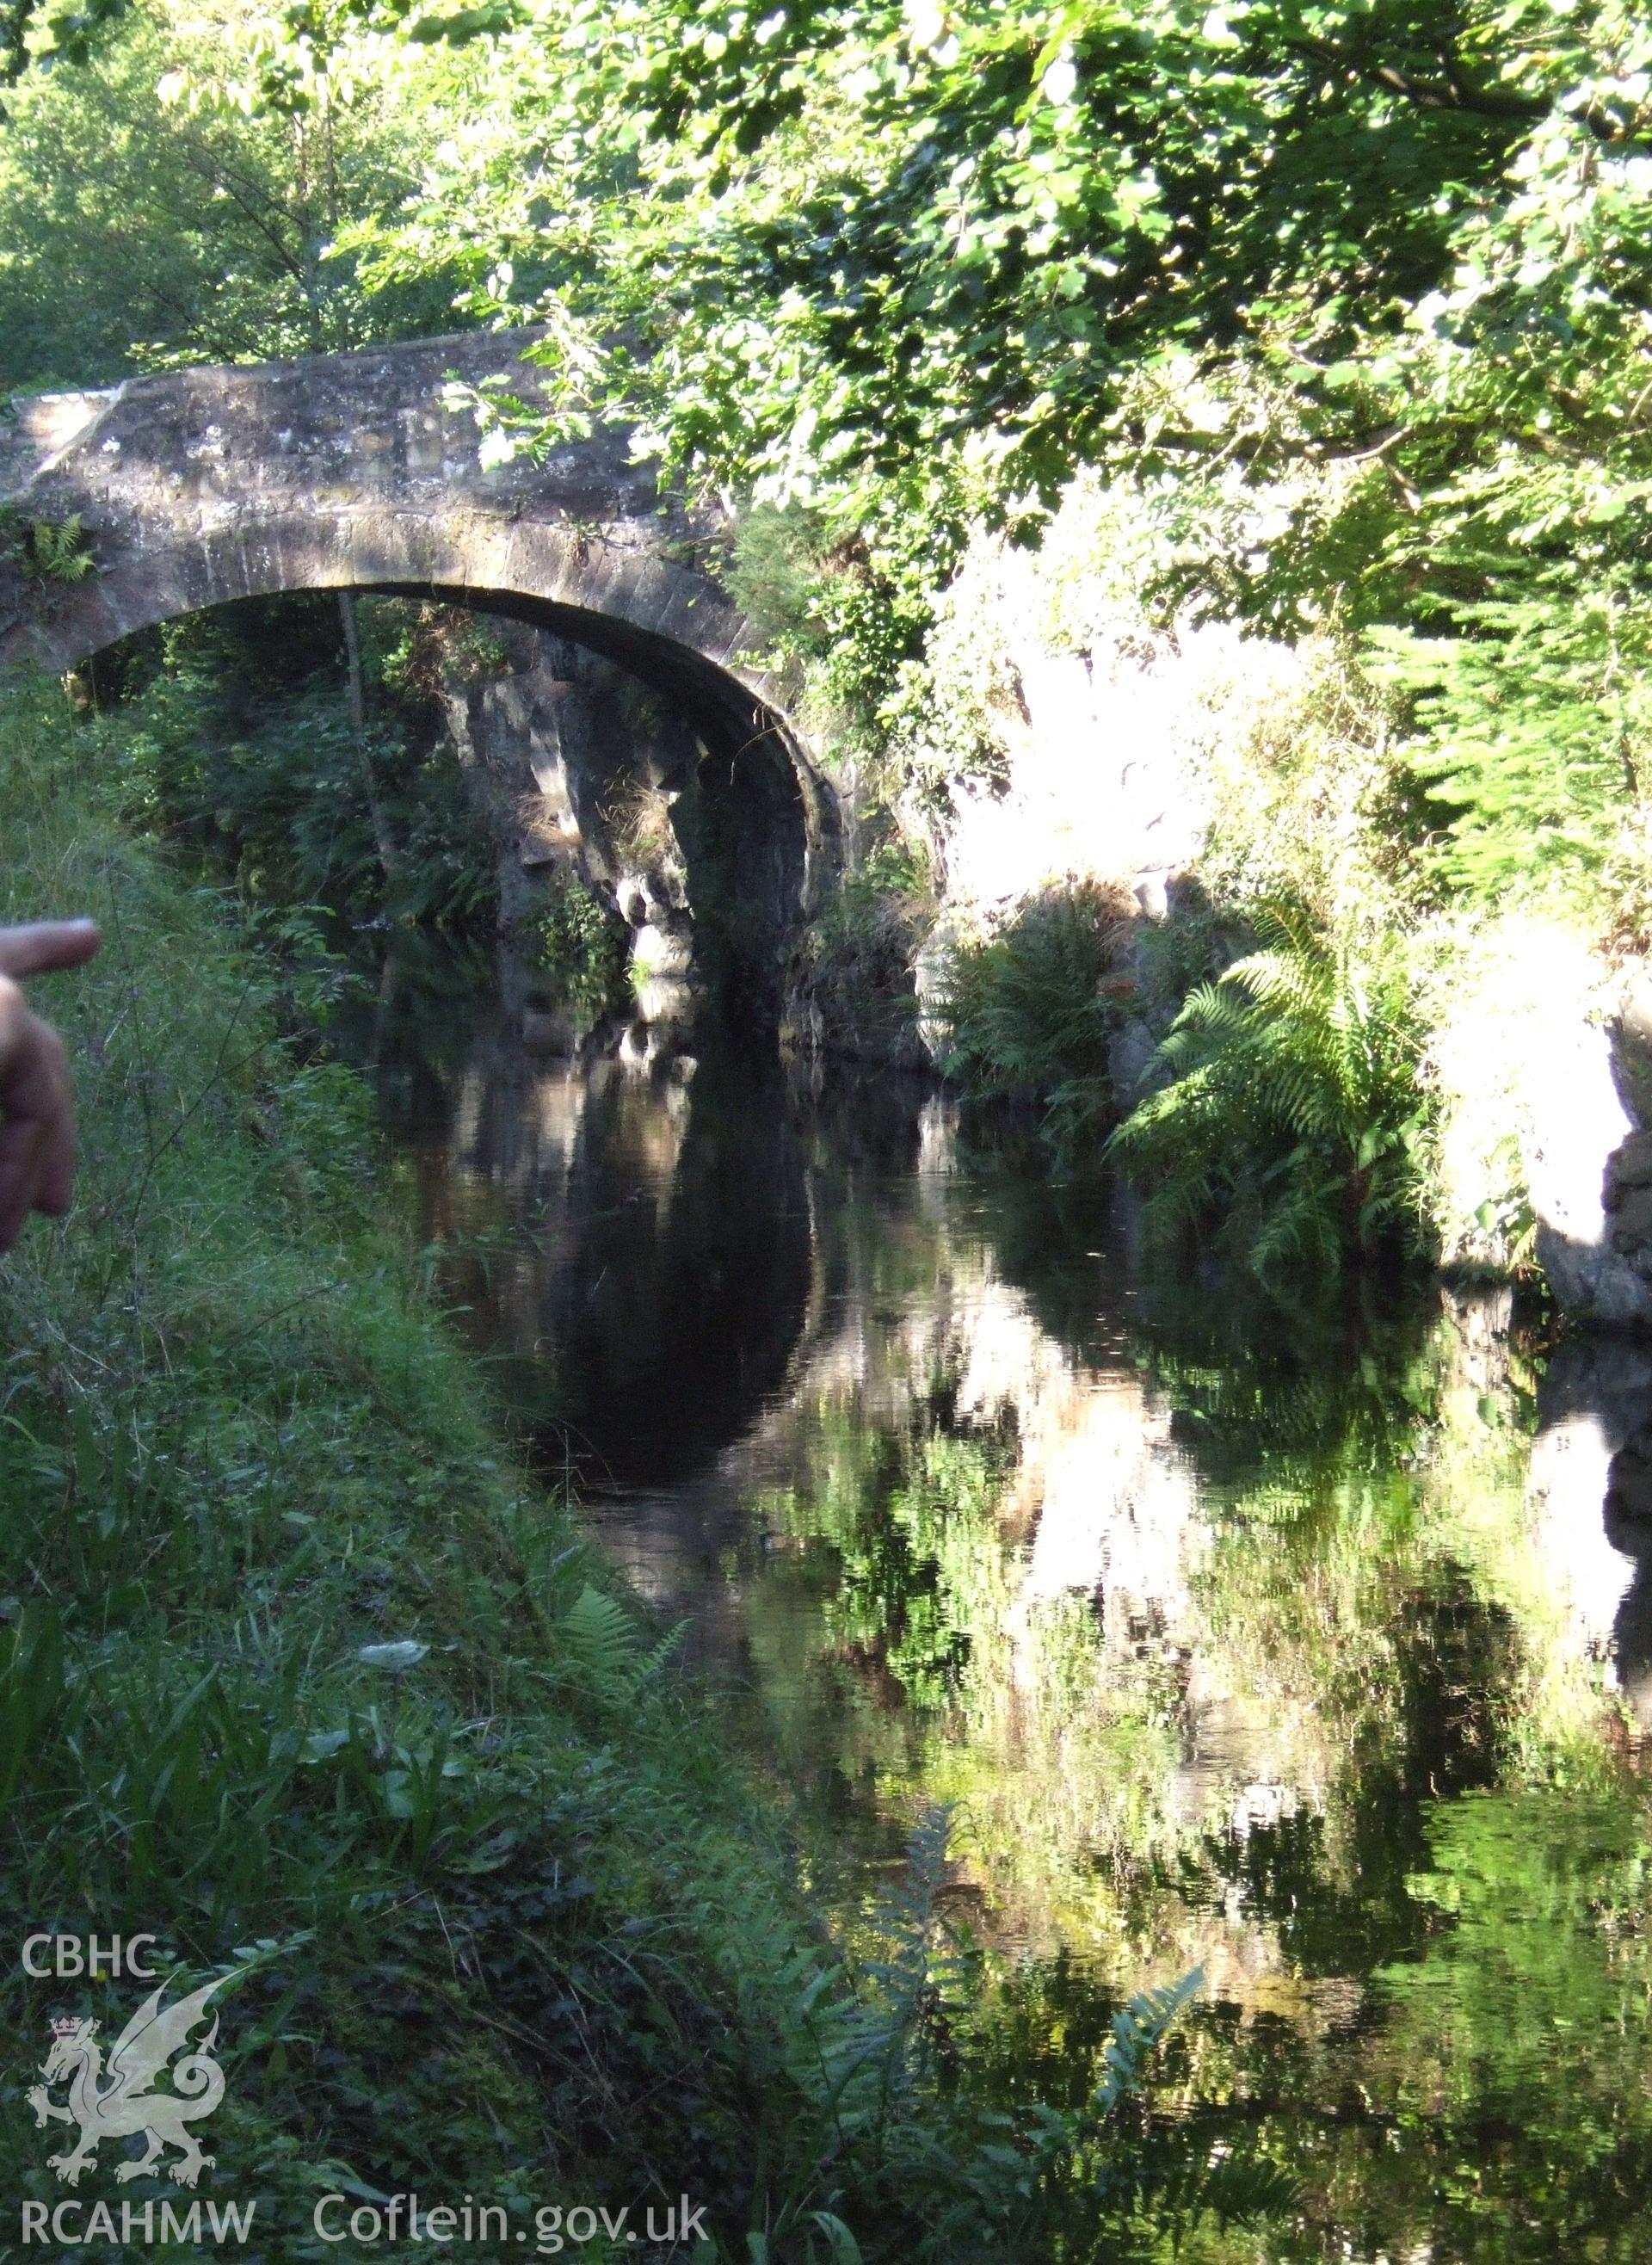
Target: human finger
{"x": 19, "y": 1176}
{"x": 56, "y": 1153}
{"x": 37, "y": 1136}
{"x": 42, "y": 947}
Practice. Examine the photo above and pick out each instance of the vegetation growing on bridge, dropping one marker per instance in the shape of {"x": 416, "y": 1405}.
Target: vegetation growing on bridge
{"x": 47, "y": 550}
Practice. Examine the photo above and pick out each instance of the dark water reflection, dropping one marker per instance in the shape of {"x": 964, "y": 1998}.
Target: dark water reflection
{"x": 1312, "y": 1649}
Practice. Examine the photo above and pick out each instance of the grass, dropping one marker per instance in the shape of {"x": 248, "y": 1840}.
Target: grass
{"x": 483, "y": 1902}
{"x": 301, "y": 1676}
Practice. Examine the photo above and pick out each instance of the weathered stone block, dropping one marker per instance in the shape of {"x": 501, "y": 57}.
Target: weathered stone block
{"x": 1630, "y": 1220}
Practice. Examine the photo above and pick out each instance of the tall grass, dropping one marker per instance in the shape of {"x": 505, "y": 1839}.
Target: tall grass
{"x": 236, "y": 1452}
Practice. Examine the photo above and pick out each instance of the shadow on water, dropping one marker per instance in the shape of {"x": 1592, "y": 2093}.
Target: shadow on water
{"x": 1312, "y": 1647}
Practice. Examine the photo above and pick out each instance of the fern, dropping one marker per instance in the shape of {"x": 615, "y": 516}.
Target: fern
{"x": 884, "y": 2073}
{"x": 1532, "y": 720}
{"x": 1291, "y": 1109}
{"x": 1029, "y": 1014}
{"x": 866, "y": 2063}
{"x": 1166, "y": 2185}
{"x": 1137, "y": 2031}
{"x": 46, "y": 552}
{"x": 1165, "y": 2177}
{"x": 606, "y": 1646}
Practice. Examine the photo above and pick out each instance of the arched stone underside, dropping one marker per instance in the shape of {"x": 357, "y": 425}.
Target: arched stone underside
{"x": 363, "y": 472}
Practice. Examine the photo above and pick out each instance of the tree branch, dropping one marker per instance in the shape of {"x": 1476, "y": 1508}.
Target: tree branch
{"x": 266, "y": 221}
{"x": 1332, "y": 449}
{"x": 1454, "y": 91}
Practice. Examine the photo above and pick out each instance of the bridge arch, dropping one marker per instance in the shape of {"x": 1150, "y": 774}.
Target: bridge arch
{"x": 362, "y": 472}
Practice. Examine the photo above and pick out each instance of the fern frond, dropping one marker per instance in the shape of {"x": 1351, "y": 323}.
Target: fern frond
{"x": 59, "y": 553}
{"x": 603, "y": 1641}
{"x": 1291, "y": 1108}
{"x": 1137, "y": 2031}
{"x": 1177, "y": 2187}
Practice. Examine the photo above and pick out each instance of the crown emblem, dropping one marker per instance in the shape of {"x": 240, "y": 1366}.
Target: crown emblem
{"x": 64, "y": 2025}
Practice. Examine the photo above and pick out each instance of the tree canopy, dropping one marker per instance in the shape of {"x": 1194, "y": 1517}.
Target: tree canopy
{"x": 1351, "y": 300}
{"x": 154, "y": 209}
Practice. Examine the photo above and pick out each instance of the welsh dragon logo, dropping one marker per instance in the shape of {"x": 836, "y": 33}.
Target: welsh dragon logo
{"x": 115, "y": 2103}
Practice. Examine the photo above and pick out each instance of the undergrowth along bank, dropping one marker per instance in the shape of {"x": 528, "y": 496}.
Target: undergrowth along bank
{"x": 482, "y": 1884}
{"x": 299, "y": 1674}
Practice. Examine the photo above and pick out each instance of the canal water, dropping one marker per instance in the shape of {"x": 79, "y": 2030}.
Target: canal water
{"x": 1306, "y": 1646}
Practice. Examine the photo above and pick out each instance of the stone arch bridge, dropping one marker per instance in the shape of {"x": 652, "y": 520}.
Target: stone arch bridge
{"x": 362, "y": 472}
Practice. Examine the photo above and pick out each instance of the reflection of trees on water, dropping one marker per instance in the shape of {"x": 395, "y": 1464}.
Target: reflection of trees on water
{"x": 1278, "y": 1642}
{"x": 1241, "y": 1644}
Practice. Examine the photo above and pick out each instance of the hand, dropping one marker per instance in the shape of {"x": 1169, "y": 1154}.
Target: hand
{"x": 37, "y": 1107}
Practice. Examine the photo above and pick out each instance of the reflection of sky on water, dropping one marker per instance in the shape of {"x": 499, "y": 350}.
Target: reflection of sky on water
{"x": 1289, "y": 1645}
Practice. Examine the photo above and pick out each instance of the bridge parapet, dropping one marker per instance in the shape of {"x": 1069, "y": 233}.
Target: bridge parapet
{"x": 39, "y": 430}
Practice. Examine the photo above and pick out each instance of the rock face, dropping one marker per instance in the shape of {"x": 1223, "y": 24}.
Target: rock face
{"x": 1577, "y": 1124}
{"x": 583, "y": 778}
{"x": 1591, "y": 1485}
{"x": 1093, "y": 779}
{"x": 364, "y": 471}
{"x": 1589, "y": 1163}
{"x": 587, "y": 777}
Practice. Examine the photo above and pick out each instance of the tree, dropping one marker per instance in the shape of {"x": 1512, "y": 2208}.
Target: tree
{"x": 893, "y": 269}
{"x": 147, "y": 218}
